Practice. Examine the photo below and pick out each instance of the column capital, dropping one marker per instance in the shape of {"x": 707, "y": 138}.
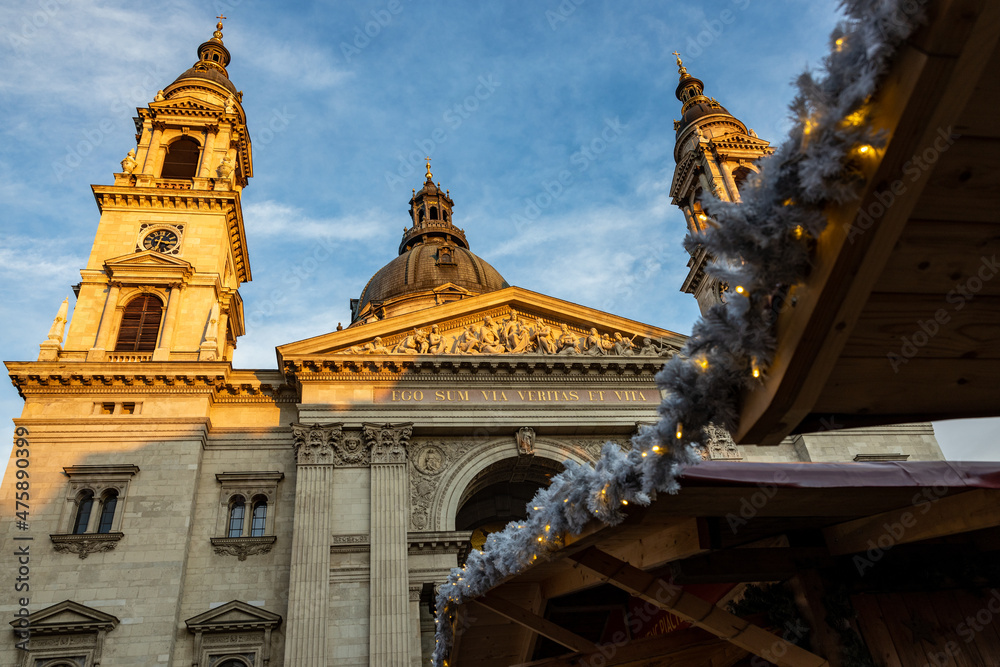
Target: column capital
{"x": 388, "y": 442}
{"x": 314, "y": 443}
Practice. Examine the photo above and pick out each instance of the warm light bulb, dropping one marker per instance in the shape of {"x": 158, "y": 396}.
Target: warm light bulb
{"x": 703, "y": 362}
{"x": 624, "y": 502}
{"x": 539, "y": 538}
{"x": 864, "y": 149}
{"x": 566, "y": 501}
{"x": 547, "y": 528}
{"x": 644, "y": 454}
{"x": 739, "y": 289}
{"x": 656, "y": 448}
{"x": 798, "y": 232}
{"x": 788, "y": 202}
{"x": 839, "y": 43}
{"x": 680, "y": 433}
{"x": 755, "y": 367}
{"x": 702, "y": 217}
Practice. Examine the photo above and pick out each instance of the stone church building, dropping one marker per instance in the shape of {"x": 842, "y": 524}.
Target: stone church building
{"x": 187, "y": 513}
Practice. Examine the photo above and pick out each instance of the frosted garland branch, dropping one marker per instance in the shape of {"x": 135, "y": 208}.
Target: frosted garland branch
{"x": 762, "y": 247}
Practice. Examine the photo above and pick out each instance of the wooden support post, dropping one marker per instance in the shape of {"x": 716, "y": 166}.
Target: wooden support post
{"x": 699, "y": 612}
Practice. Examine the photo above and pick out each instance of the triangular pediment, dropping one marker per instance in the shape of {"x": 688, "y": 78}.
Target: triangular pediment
{"x": 542, "y": 325}
{"x": 233, "y": 615}
{"x": 69, "y": 617}
{"x": 146, "y": 266}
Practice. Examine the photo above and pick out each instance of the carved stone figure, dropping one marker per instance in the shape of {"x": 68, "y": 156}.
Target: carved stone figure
{"x": 430, "y": 460}
{"x": 623, "y": 346}
{"x": 129, "y": 163}
{"x": 159, "y": 96}
{"x": 568, "y": 342}
{"x": 468, "y": 341}
{"x": 516, "y": 336}
{"x": 594, "y": 343}
{"x": 415, "y": 343}
{"x": 489, "y": 338}
{"x": 649, "y": 348}
{"x": 542, "y": 334}
{"x": 225, "y": 167}
{"x": 525, "y": 438}
{"x": 230, "y": 105}
{"x": 374, "y": 347}
{"x": 435, "y": 342}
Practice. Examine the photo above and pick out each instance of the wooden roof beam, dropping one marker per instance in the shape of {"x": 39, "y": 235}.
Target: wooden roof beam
{"x": 624, "y": 651}
{"x": 536, "y": 623}
{"x": 930, "y": 516}
{"x": 697, "y": 611}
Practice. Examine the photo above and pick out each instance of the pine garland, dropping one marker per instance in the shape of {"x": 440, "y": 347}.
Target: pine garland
{"x": 762, "y": 246}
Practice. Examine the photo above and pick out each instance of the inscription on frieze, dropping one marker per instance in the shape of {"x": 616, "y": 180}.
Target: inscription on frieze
{"x": 518, "y": 396}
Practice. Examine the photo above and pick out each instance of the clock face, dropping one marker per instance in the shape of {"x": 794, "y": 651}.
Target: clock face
{"x": 161, "y": 240}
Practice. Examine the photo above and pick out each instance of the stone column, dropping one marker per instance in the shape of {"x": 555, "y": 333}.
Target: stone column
{"x": 390, "y": 631}
{"x": 96, "y": 353}
{"x": 162, "y": 351}
{"x": 309, "y": 578}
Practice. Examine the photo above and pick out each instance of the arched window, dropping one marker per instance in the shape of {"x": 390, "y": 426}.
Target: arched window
{"x": 444, "y": 215}
{"x": 83, "y": 510}
{"x": 232, "y": 662}
{"x": 420, "y": 215}
{"x": 140, "y": 325}
{"x": 237, "y": 510}
{"x": 259, "y": 518}
{"x": 108, "y": 511}
{"x": 181, "y": 160}
{"x": 434, "y": 212}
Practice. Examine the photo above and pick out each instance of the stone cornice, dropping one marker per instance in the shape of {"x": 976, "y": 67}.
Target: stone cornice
{"x": 226, "y": 202}
{"x": 215, "y": 378}
{"x": 530, "y": 368}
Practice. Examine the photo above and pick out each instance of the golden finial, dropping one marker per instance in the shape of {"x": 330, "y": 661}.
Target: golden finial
{"x": 680, "y": 66}
{"x": 429, "y": 175}
{"x": 218, "y": 27}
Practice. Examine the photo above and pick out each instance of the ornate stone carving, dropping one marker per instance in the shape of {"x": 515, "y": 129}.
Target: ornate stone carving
{"x": 314, "y": 443}
{"x": 225, "y": 169}
{"x": 415, "y": 592}
{"x": 129, "y": 163}
{"x": 525, "y": 438}
{"x": 329, "y": 444}
{"x": 241, "y": 547}
{"x": 720, "y": 445}
{"x": 425, "y": 479}
{"x": 514, "y": 335}
{"x": 388, "y": 442}
{"x": 429, "y": 460}
{"x": 86, "y": 544}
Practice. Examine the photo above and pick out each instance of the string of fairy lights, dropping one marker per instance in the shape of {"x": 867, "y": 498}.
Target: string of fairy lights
{"x": 762, "y": 247}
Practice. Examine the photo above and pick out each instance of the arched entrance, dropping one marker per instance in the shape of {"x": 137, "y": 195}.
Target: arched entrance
{"x": 499, "y": 494}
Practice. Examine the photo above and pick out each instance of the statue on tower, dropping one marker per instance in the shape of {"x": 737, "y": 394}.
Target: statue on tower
{"x": 129, "y": 163}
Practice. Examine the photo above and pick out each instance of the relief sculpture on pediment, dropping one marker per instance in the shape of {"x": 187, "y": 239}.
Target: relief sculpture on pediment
{"x": 516, "y": 335}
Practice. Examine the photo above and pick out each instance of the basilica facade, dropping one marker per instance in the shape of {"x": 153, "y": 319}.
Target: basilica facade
{"x": 188, "y": 513}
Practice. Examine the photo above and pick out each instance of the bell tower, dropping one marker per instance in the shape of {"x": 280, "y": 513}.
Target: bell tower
{"x": 715, "y": 153}
{"x": 162, "y": 281}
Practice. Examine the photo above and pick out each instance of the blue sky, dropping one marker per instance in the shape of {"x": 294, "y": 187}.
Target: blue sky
{"x": 343, "y": 101}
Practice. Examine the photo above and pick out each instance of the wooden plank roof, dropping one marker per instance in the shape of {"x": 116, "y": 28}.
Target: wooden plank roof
{"x": 899, "y": 320}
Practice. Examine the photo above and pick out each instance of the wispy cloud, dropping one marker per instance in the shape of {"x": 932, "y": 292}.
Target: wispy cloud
{"x": 273, "y": 219}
